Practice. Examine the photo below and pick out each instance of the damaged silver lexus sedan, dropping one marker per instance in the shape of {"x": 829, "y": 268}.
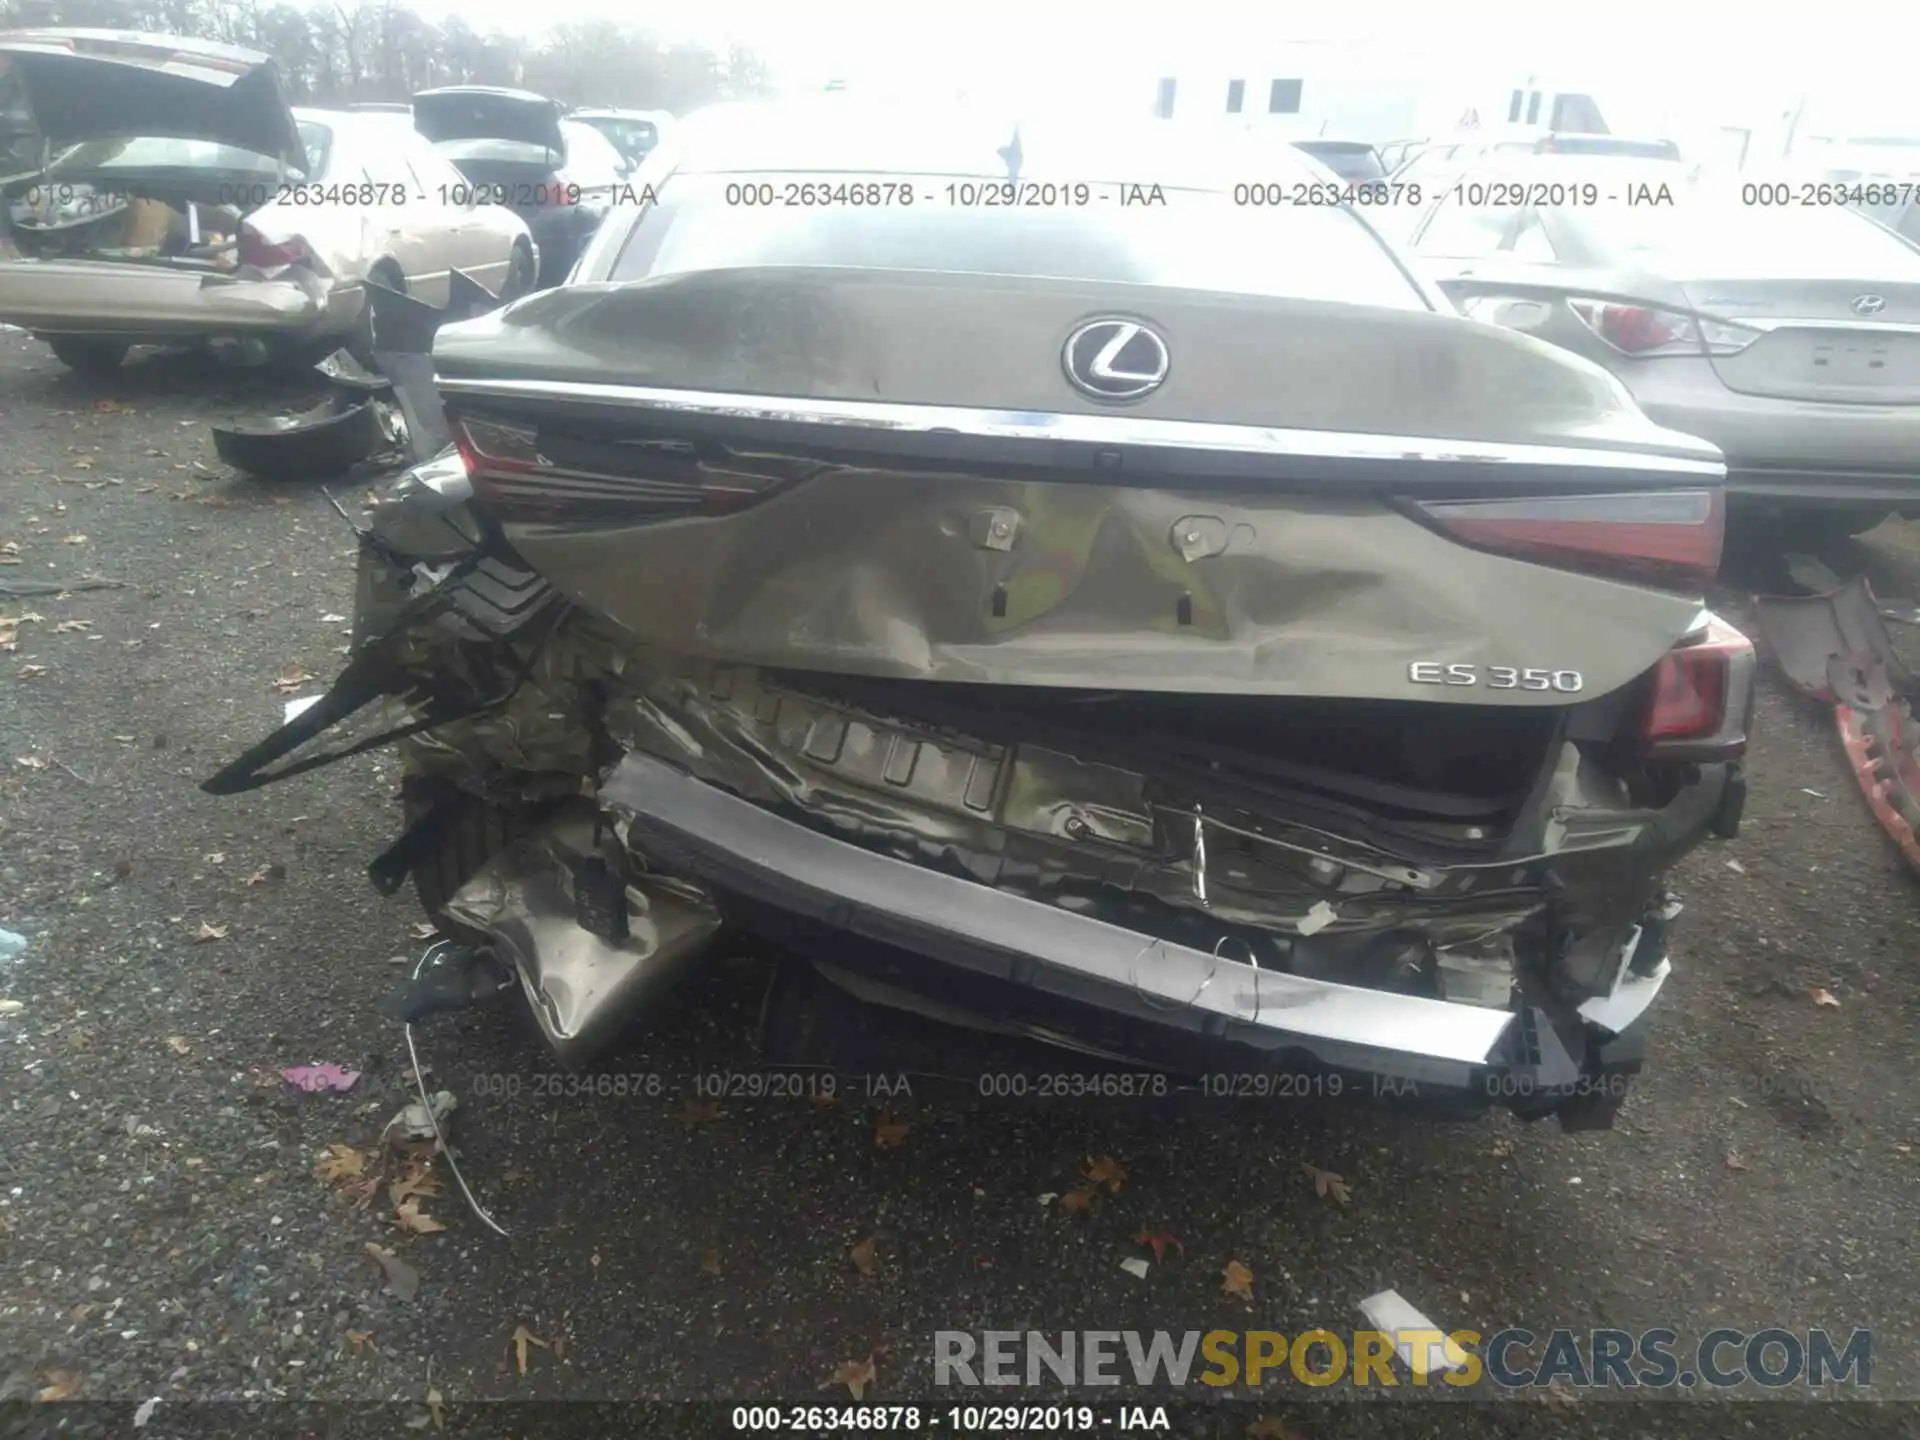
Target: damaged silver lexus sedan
{"x": 1055, "y": 600}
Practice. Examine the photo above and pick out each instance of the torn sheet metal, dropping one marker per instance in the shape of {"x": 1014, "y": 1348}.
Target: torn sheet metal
{"x": 326, "y": 441}
{"x": 419, "y": 401}
{"x": 1836, "y": 648}
{"x": 341, "y": 368}
{"x": 592, "y": 947}
{"x": 466, "y": 298}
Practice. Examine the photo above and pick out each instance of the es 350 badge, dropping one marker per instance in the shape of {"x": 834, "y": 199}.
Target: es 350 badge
{"x": 1495, "y": 677}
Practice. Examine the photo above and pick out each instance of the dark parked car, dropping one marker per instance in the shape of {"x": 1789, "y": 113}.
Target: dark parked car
{"x": 1787, "y": 335}
{"x": 1165, "y": 630}
{"x": 634, "y": 133}
{"x": 559, "y": 175}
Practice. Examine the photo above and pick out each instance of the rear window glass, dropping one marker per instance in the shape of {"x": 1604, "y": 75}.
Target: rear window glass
{"x": 1708, "y": 225}
{"x": 1611, "y": 145}
{"x": 1349, "y": 162}
{"x": 1198, "y": 240}
{"x": 163, "y": 153}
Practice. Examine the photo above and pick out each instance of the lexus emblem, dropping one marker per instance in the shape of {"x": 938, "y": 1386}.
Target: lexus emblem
{"x": 1868, "y": 304}
{"x": 1115, "y": 359}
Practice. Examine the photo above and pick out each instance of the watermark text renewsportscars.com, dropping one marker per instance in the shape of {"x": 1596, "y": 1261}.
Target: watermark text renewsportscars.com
{"x": 1513, "y": 1359}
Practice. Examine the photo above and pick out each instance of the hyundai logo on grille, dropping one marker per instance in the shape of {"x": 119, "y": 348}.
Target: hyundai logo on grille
{"x": 1869, "y": 304}
{"x": 1115, "y": 359}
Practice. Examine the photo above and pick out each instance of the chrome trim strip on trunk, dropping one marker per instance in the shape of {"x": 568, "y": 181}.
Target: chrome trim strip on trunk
{"x": 1088, "y": 429}
{"x": 700, "y": 829}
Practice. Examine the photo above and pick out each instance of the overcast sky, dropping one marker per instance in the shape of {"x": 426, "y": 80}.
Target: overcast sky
{"x": 1843, "y": 49}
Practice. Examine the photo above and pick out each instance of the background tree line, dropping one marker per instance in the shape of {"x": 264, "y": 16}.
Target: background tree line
{"x": 331, "y": 52}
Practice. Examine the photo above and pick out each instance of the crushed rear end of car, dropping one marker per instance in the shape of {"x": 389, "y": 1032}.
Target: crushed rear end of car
{"x": 1191, "y": 743}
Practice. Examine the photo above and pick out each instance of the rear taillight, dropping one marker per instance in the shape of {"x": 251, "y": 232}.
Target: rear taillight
{"x": 257, "y": 252}
{"x": 1700, "y": 696}
{"x": 1646, "y": 331}
{"x": 1669, "y": 538}
{"x": 520, "y": 474}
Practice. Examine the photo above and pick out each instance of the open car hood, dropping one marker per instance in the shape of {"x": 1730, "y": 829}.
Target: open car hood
{"x": 103, "y": 84}
{"x": 481, "y": 112}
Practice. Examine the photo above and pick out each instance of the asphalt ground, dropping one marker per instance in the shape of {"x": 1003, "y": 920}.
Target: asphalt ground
{"x": 163, "y": 1233}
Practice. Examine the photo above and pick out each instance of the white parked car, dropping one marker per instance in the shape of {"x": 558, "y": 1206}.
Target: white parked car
{"x": 183, "y": 199}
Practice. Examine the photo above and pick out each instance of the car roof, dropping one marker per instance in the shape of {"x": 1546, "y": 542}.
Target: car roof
{"x": 845, "y": 134}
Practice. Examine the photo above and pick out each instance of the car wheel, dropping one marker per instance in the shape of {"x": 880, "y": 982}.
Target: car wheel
{"x": 521, "y": 272}
{"x": 88, "y": 355}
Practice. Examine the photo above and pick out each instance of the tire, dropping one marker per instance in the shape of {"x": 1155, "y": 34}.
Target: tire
{"x": 88, "y": 355}
{"x": 522, "y": 273}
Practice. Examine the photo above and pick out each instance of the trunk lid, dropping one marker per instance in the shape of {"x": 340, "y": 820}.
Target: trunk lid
{"x": 890, "y": 475}
{"x": 81, "y": 85}
{"x": 479, "y": 112}
{"x": 1837, "y": 301}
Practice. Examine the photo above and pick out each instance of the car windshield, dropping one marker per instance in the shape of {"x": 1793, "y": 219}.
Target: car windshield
{"x": 1196, "y": 239}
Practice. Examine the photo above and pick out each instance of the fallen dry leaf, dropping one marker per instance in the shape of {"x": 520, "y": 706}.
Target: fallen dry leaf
{"x": 889, "y": 1133}
{"x": 700, "y": 1112}
{"x": 410, "y": 1217}
{"x": 341, "y": 1162}
{"x": 65, "y": 1384}
{"x": 710, "y": 1261}
{"x": 434, "y": 1401}
{"x": 402, "y": 1279}
{"x": 1079, "y": 1200}
{"x": 32, "y": 762}
{"x": 208, "y": 932}
{"x": 76, "y": 539}
{"x": 425, "y": 931}
{"x": 1327, "y": 1185}
{"x": 179, "y": 1044}
{"x": 292, "y": 680}
{"x": 32, "y": 672}
{"x": 1825, "y": 997}
{"x": 419, "y": 1179}
{"x": 361, "y": 1192}
{"x": 863, "y": 1257}
{"x": 1109, "y": 1172}
{"x": 522, "y": 1338}
{"x": 72, "y": 627}
{"x": 1734, "y": 1162}
{"x": 1157, "y": 1241}
{"x": 359, "y": 1339}
{"x": 1502, "y": 1148}
{"x": 1268, "y": 1428}
{"x": 266, "y": 873}
{"x": 856, "y": 1375}
{"x": 1237, "y": 1279}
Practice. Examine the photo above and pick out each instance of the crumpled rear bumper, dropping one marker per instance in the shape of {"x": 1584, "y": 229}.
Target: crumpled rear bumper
{"x": 97, "y": 297}
{"x": 1117, "y": 990}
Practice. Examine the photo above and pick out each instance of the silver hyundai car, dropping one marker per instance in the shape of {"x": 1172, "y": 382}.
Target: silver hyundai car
{"x": 1771, "y": 318}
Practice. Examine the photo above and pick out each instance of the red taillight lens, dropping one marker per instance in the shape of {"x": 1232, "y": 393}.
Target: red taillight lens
{"x": 1700, "y": 695}
{"x": 1636, "y": 330}
{"x": 1669, "y": 538}
{"x": 258, "y": 253}
{"x": 522, "y": 474}
{"x": 1689, "y": 695}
